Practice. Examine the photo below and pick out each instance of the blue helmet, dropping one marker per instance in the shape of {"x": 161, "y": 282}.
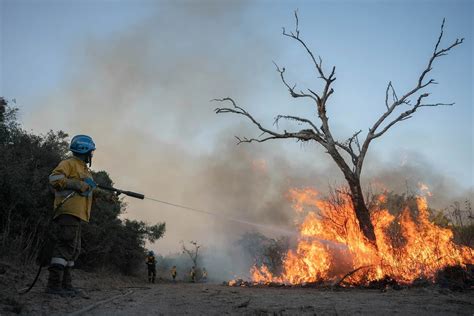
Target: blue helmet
{"x": 82, "y": 144}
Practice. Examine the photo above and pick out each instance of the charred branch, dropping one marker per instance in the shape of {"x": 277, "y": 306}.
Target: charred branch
{"x": 338, "y": 283}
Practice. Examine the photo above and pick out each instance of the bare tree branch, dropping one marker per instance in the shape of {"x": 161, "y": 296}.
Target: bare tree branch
{"x": 407, "y": 114}
{"x": 373, "y": 131}
{"x": 320, "y": 98}
{"x": 298, "y": 119}
{"x": 303, "y": 135}
{"x": 394, "y": 95}
{"x": 292, "y": 89}
{"x": 347, "y": 146}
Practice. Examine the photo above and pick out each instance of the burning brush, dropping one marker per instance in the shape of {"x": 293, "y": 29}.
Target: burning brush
{"x": 331, "y": 249}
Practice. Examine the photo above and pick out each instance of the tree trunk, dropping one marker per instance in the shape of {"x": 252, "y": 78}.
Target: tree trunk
{"x": 357, "y": 198}
{"x": 361, "y": 210}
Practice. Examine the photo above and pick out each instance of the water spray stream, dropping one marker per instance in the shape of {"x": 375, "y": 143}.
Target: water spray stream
{"x": 280, "y": 230}
{"x": 228, "y": 218}
{"x": 237, "y": 220}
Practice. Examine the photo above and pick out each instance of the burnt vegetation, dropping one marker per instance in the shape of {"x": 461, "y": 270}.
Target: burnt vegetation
{"x": 26, "y": 204}
{"x": 262, "y": 250}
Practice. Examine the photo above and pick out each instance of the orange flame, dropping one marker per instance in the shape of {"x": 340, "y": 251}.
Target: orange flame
{"x": 331, "y": 244}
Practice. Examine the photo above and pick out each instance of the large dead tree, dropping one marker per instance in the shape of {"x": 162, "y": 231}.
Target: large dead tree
{"x": 349, "y": 155}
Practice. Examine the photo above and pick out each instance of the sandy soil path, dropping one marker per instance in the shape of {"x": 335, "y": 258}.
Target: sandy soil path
{"x": 213, "y": 299}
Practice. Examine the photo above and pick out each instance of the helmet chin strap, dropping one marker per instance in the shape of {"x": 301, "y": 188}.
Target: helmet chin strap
{"x": 87, "y": 158}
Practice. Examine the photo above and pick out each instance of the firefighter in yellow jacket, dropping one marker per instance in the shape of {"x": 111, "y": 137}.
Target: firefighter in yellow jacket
{"x": 73, "y": 185}
{"x": 151, "y": 265}
{"x": 174, "y": 272}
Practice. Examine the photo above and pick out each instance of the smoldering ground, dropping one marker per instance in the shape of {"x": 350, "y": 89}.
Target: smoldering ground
{"x": 143, "y": 95}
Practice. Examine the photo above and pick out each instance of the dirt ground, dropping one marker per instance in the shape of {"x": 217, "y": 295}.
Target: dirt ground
{"x": 114, "y": 295}
{"x": 212, "y": 299}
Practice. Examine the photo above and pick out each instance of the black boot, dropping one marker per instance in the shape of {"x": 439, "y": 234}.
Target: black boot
{"x": 67, "y": 281}
{"x": 54, "y": 279}
{"x": 68, "y": 287}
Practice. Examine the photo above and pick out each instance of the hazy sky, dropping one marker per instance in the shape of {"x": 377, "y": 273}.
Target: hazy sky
{"x": 138, "y": 76}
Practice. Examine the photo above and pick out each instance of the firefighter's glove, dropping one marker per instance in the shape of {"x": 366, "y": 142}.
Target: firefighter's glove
{"x": 77, "y": 185}
{"x": 91, "y": 185}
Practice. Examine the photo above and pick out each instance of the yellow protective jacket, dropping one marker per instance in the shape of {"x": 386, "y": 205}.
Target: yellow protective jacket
{"x": 71, "y": 169}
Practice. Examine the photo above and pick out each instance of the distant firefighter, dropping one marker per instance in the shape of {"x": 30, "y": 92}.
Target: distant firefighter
{"x": 151, "y": 264}
{"x": 204, "y": 274}
{"x": 174, "y": 273}
{"x": 192, "y": 274}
